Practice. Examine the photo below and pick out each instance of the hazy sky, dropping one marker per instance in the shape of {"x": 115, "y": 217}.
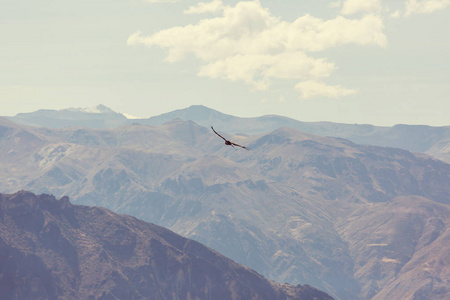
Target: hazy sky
{"x": 381, "y": 62}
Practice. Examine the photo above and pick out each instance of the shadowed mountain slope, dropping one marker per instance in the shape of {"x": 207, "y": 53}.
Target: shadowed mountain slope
{"x": 51, "y": 249}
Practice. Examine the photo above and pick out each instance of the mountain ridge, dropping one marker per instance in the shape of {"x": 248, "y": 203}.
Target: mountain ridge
{"x": 51, "y": 248}
{"x": 415, "y": 138}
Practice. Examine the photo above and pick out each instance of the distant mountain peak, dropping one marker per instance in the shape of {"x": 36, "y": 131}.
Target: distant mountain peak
{"x": 99, "y": 116}
{"x": 199, "y": 106}
{"x": 99, "y": 109}
{"x": 198, "y": 111}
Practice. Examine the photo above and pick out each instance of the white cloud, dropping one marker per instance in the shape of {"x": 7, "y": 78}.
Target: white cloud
{"x": 160, "y": 1}
{"x": 355, "y": 6}
{"x": 395, "y": 14}
{"x": 312, "y": 34}
{"x": 257, "y": 70}
{"x": 314, "y": 89}
{"x": 247, "y": 43}
{"x": 350, "y": 7}
{"x": 205, "y": 7}
{"x": 425, "y": 6}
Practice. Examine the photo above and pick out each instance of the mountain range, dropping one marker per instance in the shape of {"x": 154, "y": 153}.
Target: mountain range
{"x": 51, "y": 249}
{"x": 434, "y": 141}
{"x": 357, "y": 221}
{"x": 94, "y": 117}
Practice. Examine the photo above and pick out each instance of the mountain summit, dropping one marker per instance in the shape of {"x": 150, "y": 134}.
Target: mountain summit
{"x": 99, "y": 109}
{"x": 99, "y": 116}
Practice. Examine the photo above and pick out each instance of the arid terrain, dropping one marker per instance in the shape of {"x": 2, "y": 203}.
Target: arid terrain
{"x": 356, "y": 221}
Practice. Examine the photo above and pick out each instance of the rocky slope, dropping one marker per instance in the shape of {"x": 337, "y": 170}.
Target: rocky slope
{"x": 400, "y": 248}
{"x": 51, "y": 249}
{"x": 291, "y": 208}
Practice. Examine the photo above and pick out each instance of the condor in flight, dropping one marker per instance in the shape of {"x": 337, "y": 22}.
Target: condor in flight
{"x": 229, "y": 143}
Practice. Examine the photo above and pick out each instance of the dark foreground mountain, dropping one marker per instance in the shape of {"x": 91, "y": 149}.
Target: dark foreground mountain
{"x": 434, "y": 141}
{"x": 358, "y": 222}
{"x": 51, "y": 249}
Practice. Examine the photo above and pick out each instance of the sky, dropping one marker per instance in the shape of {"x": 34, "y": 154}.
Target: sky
{"x": 380, "y": 62}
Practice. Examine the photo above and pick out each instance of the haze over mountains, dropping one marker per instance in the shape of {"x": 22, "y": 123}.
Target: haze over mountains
{"x": 51, "y": 249}
{"x": 357, "y": 221}
{"x": 434, "y": 141}
{"x": 95, "y": 117}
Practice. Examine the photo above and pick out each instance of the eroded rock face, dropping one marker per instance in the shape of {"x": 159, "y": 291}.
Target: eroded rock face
{"x": 51, "y": 249}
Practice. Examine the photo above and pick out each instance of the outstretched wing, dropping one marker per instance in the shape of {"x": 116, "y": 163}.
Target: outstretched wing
{"x": 234, "y": 144}
{"x": 218, "y": 134}
{"x": 227, "y": 142}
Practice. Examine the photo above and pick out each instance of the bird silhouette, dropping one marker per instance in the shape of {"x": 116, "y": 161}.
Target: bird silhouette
{"x": 228, "y": 142}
